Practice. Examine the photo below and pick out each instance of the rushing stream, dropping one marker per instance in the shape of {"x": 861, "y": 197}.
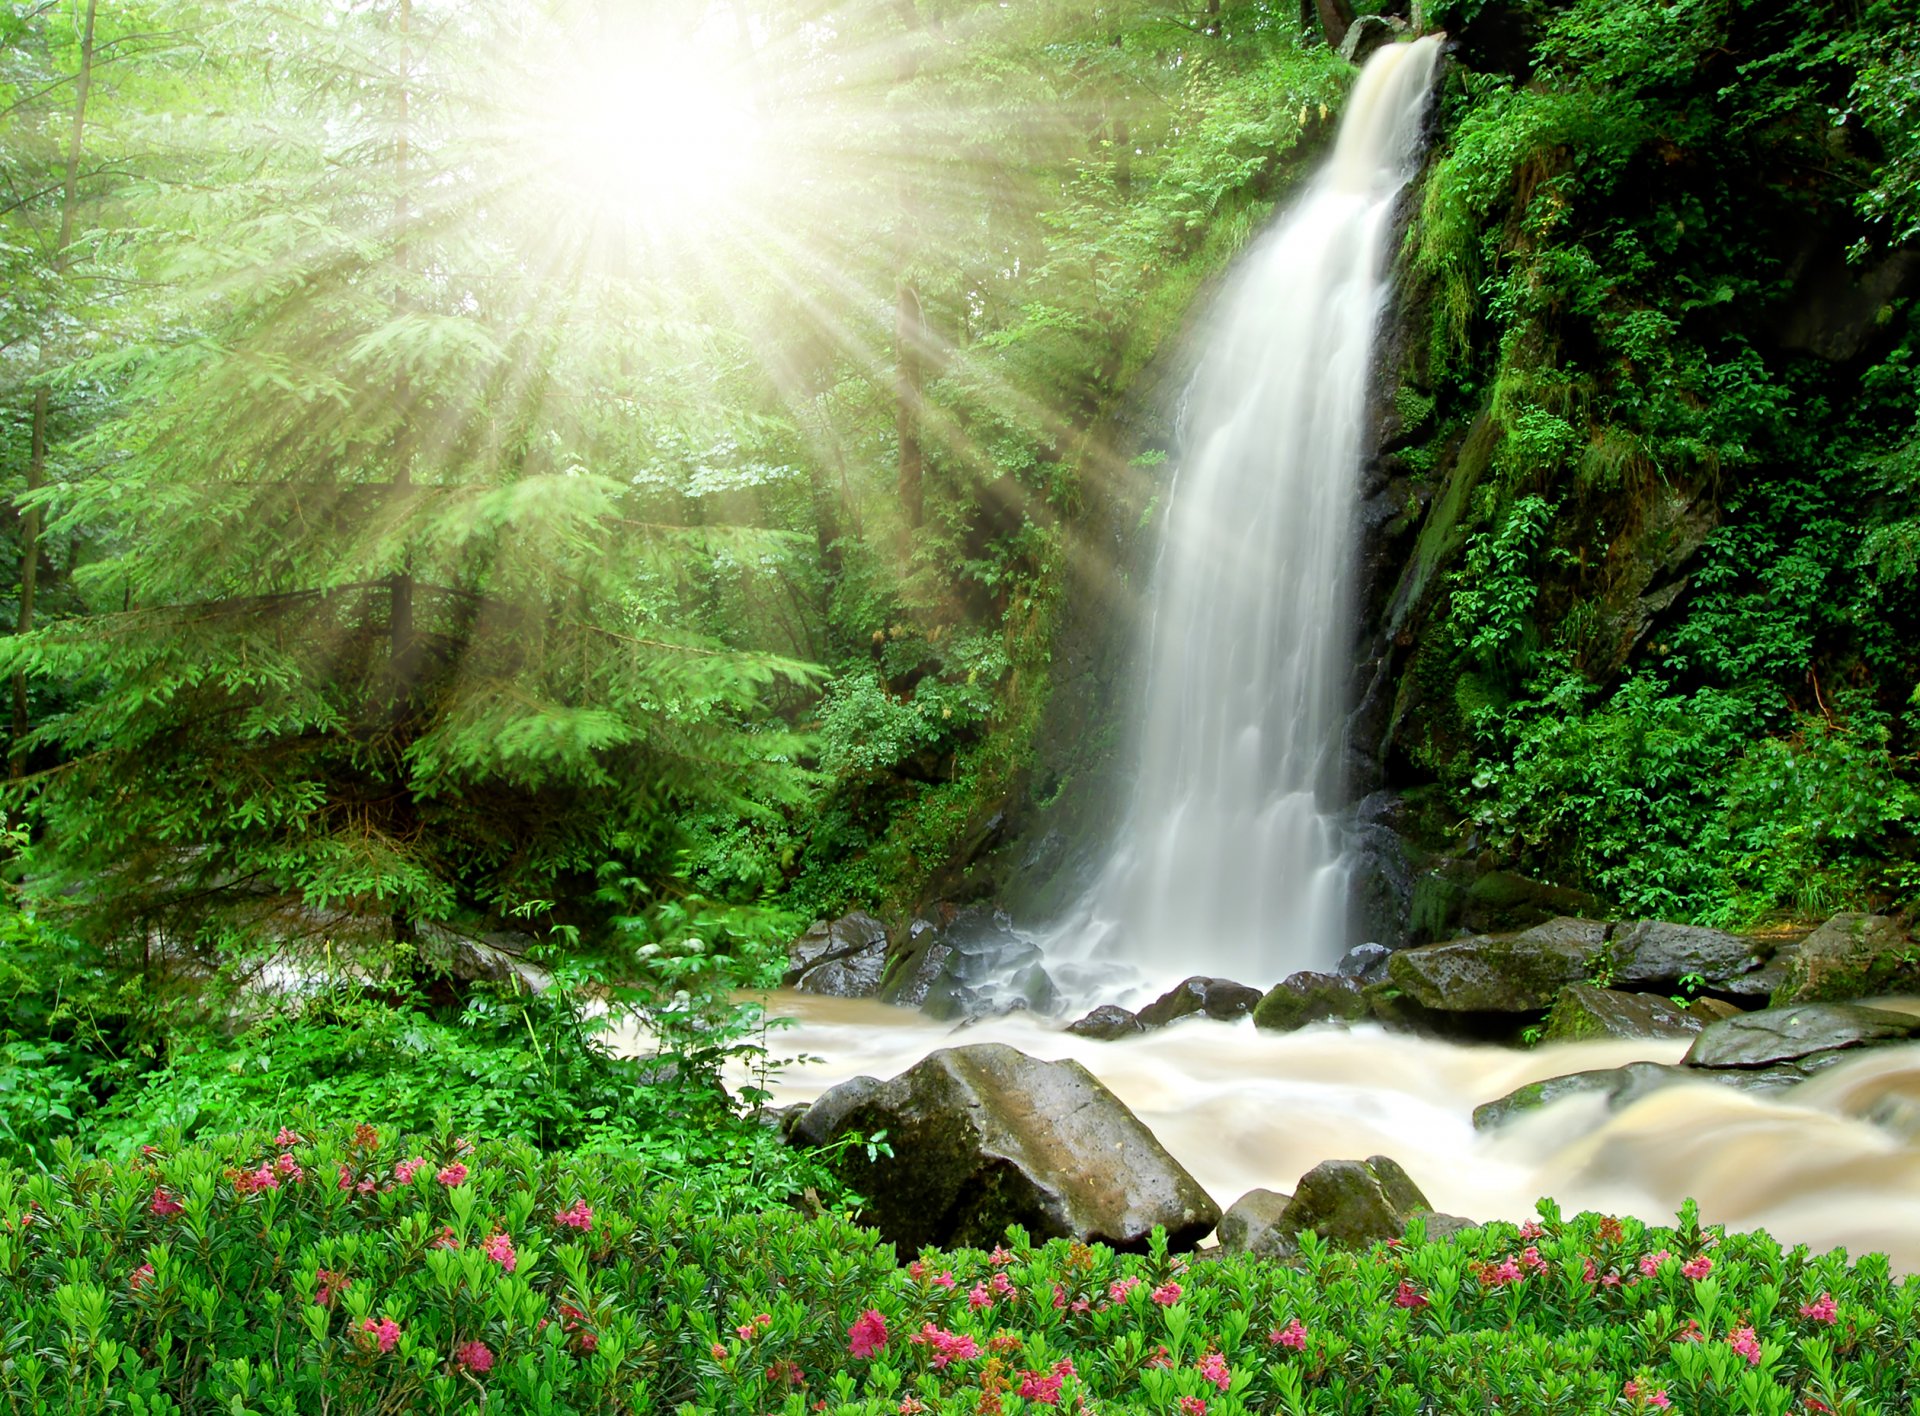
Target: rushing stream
{"x": 1832, "y": 1162}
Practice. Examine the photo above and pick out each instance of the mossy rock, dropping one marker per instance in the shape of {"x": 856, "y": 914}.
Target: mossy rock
{"x": 1304, "y": 998}
{"x": 1499, "y": 973}
{"x": 1851, "y": 956}
{"x": 1583, "y": 1012}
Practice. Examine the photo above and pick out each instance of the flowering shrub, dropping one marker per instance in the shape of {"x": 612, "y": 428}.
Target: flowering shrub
{"x": 182, "y": 1283}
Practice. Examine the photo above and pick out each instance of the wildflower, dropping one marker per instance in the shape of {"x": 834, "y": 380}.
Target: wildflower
{"x": 1292, "y": 1335}
{"x": 330, "y": 1286}
{"x": 1500, "y": 1274}
{"x": 140, "y": 1277}
{"x": 1004, "y": 1343}
{"x": 868, "y": 1334}
{"x": 367, "y": 1186}
{"x": 999, "y": 1258}
{"x": 1697, "y": 1267}
{"x": 787, "y": 1372}
{"x": 978, "y": 1299}
{"x": 499, "y": 1248}
{"x": 1531, "y": 1261}
{"x": 365, "y": 1137}
{"x": 1610, "y": 1230}
{"x": 287, "y": 1166}
{"x": 1044, "y": 1389}
{"x": 1161, "y": 1357}
{"x": 453, "y": 1174}
{"x": 248, "y": 1182}
{"x": 945, "y": 1346}
{"x": 751, "y": 1329}
{"x": 1121, "y": 1287}
{"x": 910, "y": 1406}
{"x": 1167, "y": 1294}
{"x": 1650, "y": 1263}
{"x": 1214, "y": 1368}
{"x": 405, "y": 1170}
{"x": 445, "y": 1239}
{"x": 1001, "y": 1286}
{"x": 1822, "y": 1310}
{"x": 579, "y": 1217}
{"x": 1059, "y": 1295}
{"x": 1531, "y": 1230}
{"x": 574, "y": 1323}
{"x": 386, "y": 1332}
{"x": 1192, "y": 1406}
{"x": 1407, "y": 1296}
{"x": 288, "y": 1138}
{"x": 718, "y": 1351}
{"x": 164, "y": 1205}
{"x": 1632, "y": 1392}
{"x": 346, "y": 1176}
{"x": 944, "y": 1280}
{"x": 1743, "y": 1341}
{"x": 1691, "y": 1332}
{"x": 474, "y": 1356}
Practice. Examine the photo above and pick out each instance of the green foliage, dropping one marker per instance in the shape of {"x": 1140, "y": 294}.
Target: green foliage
{"x": 593, "y": 1285}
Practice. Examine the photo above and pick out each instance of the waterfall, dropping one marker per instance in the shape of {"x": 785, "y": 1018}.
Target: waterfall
{"x": 1230, "y": 859}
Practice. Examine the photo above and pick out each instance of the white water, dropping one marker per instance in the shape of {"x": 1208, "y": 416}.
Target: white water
{"x": 1229, "y": 861}
{"x": 1831, "y": 1163}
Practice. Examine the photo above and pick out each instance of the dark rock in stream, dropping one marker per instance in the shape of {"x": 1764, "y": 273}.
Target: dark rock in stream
{"x": 1218, "y": 998}
{"x": 1364, "y": 963}
{"x": 988, "y": 968}
{"x": 1500, "y": 973}
{"x": 1107, "y": 1022}
{"x": 1622, "y": 1086}
{"x": 1305, "y": 997}
{"x": 841, "y": 959}
{"x": 1653, "y": 954}
{"x": 984, "y": 1136}
{"x": 1797, "y": 1035}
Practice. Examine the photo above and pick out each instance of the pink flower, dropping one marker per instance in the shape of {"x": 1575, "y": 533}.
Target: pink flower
{"x": 1214, "y": 1368}
{"x": 474, "y": 1356}
{"x": 499, "y": 1248}
{"x": 289, "y": 1167}
{"x": 978, "y": 1299}
{"x": 1631, "y": 1391}
{"x": 1292, "y": 1335}
{"x": 1500, "y": 1274}
{"x": 999, "y": 1258}
{"x": 1000, "y": 1286}
{"x": 1192, "y": 1406}
{"x": 945, "y": 1346}
{"x": 1650, "y": 1263}
{"x": 1121, "y": 1287}
{"x": 164, "y": 1205}
{"x": 346, "y": 1176}
{"x": 910, "y": 1406}
{"x": 386, "y": 1332}
{"x": 1743, "y": 1341}
{"x": 868, "y": 1334}
{"x": 579, "y": 1217}
{"x": 1531, "y": 1261}
{"x": 405, "y": 1170}
{"x": 1043, "y": 1389}
{"x": 1407, "y": 1296}
{"x": 1161, "y": 1357}
{"x": 451, "y": 1175}
{"x": 289, "y": 1138}
{"x": 140, "y": 1277}
{"x": 330, "y": 1285}
{"x": 1531, "y": 1230}
{"x": 944, "y": 1279}
{"x": 1167, "y": 1294}
{"x": 1822, "y": 1310}
{"x": 444, "y": 1239}
{"x": 1697, "y": 1267}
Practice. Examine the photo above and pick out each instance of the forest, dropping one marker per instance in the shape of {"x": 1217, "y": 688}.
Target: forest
{"x": 514, "y": 510}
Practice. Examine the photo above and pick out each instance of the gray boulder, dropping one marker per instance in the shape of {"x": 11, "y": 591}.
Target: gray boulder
{"x": 1251, "y": 1225}
{"x": 1218, "y": 998}
{"x": 917, "y": 967}
{"x": 1653, "y": 954}
{"x": 1107, "y": 1022}
{"x": 1499, "y": 973}
{"x": 988, "y": 968}
{"x": 1364, "y": 963}
{"x": 842, "y": 958}
{"x": 985, "y": 1136}
{"x": 1354, "y": 1203}
{"x": 1622, "y": 1086}
{"x": 1583, "y": 1011}
{"x": 1304, "y": 998}
{"x": 1797, "y": 1034}
{"x": 1366, "y": 34}
{"x": 1851, "y": 956}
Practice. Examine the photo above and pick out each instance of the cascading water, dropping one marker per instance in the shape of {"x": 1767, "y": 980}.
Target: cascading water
{"x": 1230, "y": 862}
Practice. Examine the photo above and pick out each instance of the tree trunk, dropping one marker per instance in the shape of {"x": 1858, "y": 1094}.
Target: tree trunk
{"x": 37, "y": 453}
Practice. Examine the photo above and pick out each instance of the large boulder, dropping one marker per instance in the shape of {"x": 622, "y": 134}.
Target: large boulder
{"x": 1218, "y": 998}
{"x": 1357, "y": 1203}
{"x": 1304, "y": 998}
{"x": 916, "y": 966}
{"x": 1366, "y": 34}
{"x": 1651, "y": 953}
{"x": 1583, "y": 1011}
{"x": 1499, "y": 973}
{"x": 842, "y": 958}
{"x": 1798, "y": 1035}
{"x": 1851, "y": 956}
{"x": 985, "y": 1136}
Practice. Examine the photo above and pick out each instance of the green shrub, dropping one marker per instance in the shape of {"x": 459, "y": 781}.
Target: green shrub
{"x": 355, "y": 1272}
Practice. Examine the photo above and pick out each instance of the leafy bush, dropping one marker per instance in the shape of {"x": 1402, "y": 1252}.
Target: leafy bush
{"x": 356, "y": 1272}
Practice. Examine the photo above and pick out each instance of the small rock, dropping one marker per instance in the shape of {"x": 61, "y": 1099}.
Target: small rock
{"x": 1712, "y": 1010}
{"x": 1217, "y": 998}
{"x": 1305, "y": 998}
{"x": 984, "y": 1136}
{"x": 1354, "y": 1203}
{"x": 1107, "y": 1022}
{"x": 1364, "y": 963}
{"x": 1251, "y": 1225}
{"x": 841, "y": 959}
{"x": 1583, "y": 1011}
{"x": 1794, "y": 1034}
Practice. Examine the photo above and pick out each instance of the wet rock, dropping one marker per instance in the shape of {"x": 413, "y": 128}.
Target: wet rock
{"x": 844, "y": 958}
{"x": 1796, "y": 1034}
{"x": 1364, "y": 963}
{"x": 1499, "y": 973}
{"x": 1851, "y": 956}
{"x": 1305, "y": 998}
{"x": 914, "y": 969}
{"x": 1651, "y": 953}
{"x": 1366, "y": 34}
{"x": 988, "y": 969}
{"x": 1218, "y": 998}
{"x": 1380, "y": 883}
{"x": 1712, "y": 1010}
{"x": 1107, "y": 1022}
{"x": 1583, "y": 1011}
{"x": 1622, "y": 1086}
{"x": 1251, "y": 1225}
{"x": 497, "y": 956}
{"x": 984, "y": 1136}
{"x": 1354, "y": 1203}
